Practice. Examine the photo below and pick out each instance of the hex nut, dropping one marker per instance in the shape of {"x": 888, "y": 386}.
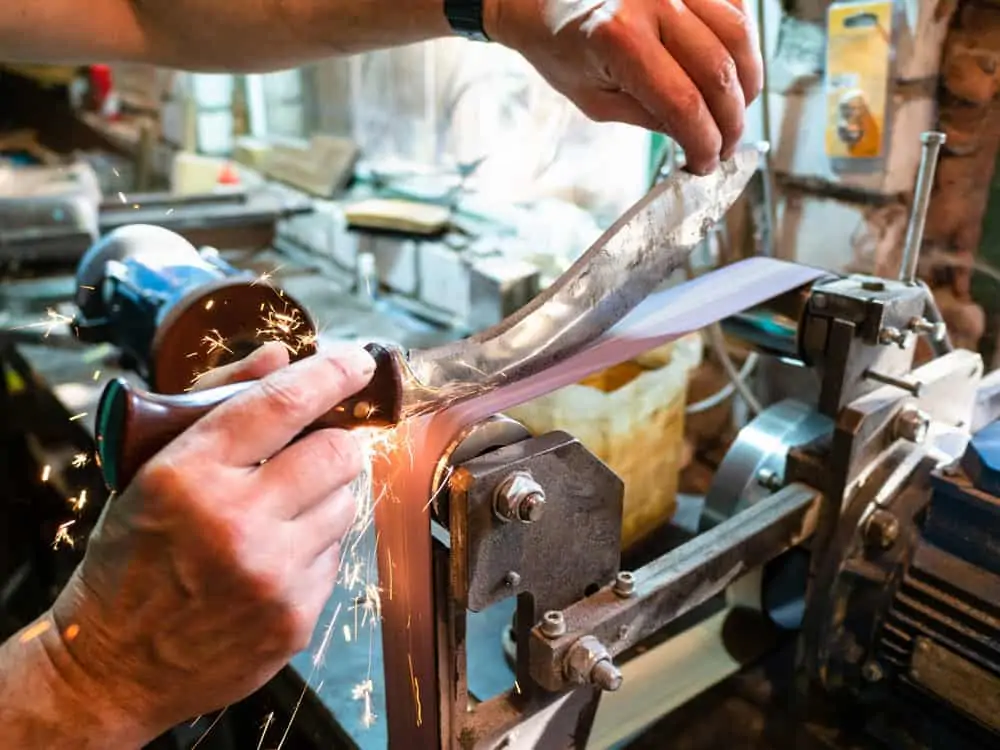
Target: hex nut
{"x": 519, "y": 498}
{"x": 911, "y": 424}
{"x": 588, "y": 662}
{"x": 553, "y": 624}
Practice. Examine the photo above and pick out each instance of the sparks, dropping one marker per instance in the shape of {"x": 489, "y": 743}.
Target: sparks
{"x": 46, "y": 472}
{"x": 214, "y": 341}
{"x": 363, "y": 692}
{"x": 97, "y": 375}
{"x": 210, "y": 304}
{"x": 80, "y": 460}
{"x": 63, "y": 536}
{"x": 268, "y": 721}
{"x": 75, "y": 417}
{"x": 121, "y": 197}
{"x": 77, "y": 503}
{"x": 53, "y": 320}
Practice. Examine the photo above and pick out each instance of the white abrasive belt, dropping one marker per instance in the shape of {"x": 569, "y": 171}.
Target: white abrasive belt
{"x": 403, "y": 477}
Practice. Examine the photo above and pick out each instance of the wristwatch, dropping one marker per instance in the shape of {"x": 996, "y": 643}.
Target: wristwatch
{"x": 466, "y": 18}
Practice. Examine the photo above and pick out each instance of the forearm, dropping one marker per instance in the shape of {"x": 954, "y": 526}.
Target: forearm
{"x": 45, "y": 706}
{"x": 240, "y": 35}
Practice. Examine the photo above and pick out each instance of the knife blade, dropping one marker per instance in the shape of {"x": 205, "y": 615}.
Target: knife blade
{"x": 637, "y": 253}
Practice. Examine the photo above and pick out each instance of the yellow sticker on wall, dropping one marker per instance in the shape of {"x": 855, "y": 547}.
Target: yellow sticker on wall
{"x": 859, "y": 61}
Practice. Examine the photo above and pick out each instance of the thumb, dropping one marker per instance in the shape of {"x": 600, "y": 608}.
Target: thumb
{"x": 262, "y": 361}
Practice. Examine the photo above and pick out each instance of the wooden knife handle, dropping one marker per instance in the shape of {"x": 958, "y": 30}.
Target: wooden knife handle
{"x": 133, "y": 425}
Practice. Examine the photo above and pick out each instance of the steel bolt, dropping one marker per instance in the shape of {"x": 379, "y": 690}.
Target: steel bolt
{"x": 894, "y": 336}
{"x": 519, "y": 498}
{"x": 589, "y": 662}
{"x": 882, "y": 529}
{"x": 531, "y": 508}
{"x": 512, "y": 579}
{"x": 624, "y": 584}
{"x": 553, "y": 624}
{"x": 872, "y": 671}
{"x": 606, "y": 676}
{"x": 936, "y": 331}
{"x": 911, "y": 424}
{"x": 769, "y": 480}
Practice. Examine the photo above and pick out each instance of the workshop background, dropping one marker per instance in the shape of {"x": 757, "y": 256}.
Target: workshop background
{"x": 423, "y": 193}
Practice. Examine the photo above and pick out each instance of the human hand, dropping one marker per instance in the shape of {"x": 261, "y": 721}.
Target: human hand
{"x": 210, "y": 571}
{"x": 687, "y": 68}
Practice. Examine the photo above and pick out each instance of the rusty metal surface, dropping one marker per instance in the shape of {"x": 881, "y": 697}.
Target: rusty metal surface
{"x": 541, "y": 562}
{"x": 583, "y": 513}
{"x": 679, "y": 581}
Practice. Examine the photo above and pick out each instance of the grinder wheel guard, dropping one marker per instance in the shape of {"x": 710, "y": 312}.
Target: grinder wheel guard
{"x": 222, "y": 323}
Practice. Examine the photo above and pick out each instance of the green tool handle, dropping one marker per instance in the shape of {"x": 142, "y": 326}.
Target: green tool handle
{"x": 133, "y": 425}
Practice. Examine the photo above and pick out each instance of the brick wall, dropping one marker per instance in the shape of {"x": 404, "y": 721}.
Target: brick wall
{"x": 969, "y": 112}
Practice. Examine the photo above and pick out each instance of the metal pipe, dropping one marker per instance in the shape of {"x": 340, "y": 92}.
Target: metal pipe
{"x": 932, "y": 142}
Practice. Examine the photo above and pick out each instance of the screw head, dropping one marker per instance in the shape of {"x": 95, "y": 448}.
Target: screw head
{"x": 624, "y": 584}
{"x": 872, "y": 671}
{"x": 512, "y": 579}
{"x": 882, "y": 529}
{"x": 553, "y": 624}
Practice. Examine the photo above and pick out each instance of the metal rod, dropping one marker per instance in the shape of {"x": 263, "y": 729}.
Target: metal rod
{"x": 906, "y": 385}
{"x": 932, "y": 142}
{"x": 680, "y": 580}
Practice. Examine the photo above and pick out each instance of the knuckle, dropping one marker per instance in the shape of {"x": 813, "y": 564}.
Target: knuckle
{"x": 294, "y": 629}
{"x": 341, "y": 449}
{"x": 283, "y": 395}
{"x": 688, "y": 101}
{"x": 725, "y": 77}
{"x": 161, "y": 478}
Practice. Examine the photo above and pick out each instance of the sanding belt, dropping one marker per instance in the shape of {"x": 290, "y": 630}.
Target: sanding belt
{"x": 403, "y": 476}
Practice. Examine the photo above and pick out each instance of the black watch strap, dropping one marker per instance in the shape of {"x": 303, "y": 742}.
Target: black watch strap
{"x": 466, "y": 18}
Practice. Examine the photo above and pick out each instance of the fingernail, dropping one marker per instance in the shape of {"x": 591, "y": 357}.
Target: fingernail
{"x": 729, "y": 153}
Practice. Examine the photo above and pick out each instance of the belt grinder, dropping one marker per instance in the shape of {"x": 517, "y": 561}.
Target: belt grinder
{"x": 868, "y": 479}
{"x": 176, "y": 312}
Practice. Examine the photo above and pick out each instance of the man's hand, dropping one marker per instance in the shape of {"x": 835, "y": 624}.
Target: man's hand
{"x": 686, "y": 68}
{"x": 210, "y": 571}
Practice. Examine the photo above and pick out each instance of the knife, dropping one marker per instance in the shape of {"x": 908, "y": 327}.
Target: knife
{"x": 639, "y": 251}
